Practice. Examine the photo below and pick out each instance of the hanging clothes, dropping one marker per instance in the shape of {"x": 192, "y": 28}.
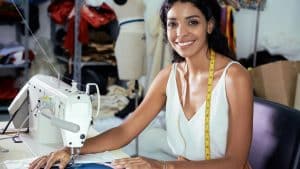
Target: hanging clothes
{"x": 62, "y": 12}
{"x": 8, "y": 88}
{"x": 227, "y": 27}
{"x": 97, "y": 17}
{"x": 8, "y": 13}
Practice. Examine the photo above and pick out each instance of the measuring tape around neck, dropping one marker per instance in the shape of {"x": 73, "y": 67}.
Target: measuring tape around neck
{"x": 207, "y": 105}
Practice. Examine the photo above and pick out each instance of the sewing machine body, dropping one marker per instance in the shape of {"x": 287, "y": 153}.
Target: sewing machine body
{"x": 58, "y": 112}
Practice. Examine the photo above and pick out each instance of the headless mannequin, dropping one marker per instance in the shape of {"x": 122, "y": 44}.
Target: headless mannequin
{"x": 130, "y": 49}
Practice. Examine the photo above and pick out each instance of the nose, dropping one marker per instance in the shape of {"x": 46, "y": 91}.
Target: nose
{"x": 181, "y": 30}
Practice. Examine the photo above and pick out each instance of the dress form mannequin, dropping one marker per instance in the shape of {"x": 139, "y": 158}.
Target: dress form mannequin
{"x": 130, "y": 49}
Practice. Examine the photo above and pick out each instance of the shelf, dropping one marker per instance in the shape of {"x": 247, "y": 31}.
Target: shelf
{"x": 95, "y": 64}
{"x": 3, "y": 108}
{"x": 12, "y": 66}
{"x": 91, "y": 63}
{"x": 3, "y": 23}
{"x": 13, "y": 21}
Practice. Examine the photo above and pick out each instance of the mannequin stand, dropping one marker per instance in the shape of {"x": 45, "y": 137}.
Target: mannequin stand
{"x": 136, "y": 90}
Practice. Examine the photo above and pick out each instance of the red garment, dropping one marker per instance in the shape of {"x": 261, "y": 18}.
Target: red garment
{"x": 7, "y": 89}
{"x": 97, "y": 18}
{"x": 83, "y": 36}
{"x": 31, "y": 55}
{"x": 59, "y": 10}
{"x": 227, "y": 27}
{"x": 89, "y": 16}
{"x": 8, "y": 13}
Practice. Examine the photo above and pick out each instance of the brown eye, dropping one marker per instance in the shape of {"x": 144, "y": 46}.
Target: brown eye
{"x": 193, "y": 22}
{"x": 171, "y": 24}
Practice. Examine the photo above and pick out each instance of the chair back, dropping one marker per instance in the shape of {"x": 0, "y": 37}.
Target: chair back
{"x": 276, "y": 136}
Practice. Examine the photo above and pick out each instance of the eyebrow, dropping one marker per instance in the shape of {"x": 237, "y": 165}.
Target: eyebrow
{"x": 192, "y": 16}
{"x": 188, "y": 17}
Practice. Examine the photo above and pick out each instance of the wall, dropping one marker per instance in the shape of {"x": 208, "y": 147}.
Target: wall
{"x": 279, "y": 24}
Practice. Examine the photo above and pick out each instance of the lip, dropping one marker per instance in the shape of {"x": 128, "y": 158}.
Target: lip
{"x": 185, "y": 43}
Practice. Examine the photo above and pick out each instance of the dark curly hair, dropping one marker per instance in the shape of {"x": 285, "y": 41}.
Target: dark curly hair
{"x": 210, "y": 9}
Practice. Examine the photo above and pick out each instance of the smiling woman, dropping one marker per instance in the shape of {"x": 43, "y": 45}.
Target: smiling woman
{"x": 207, "y": 95}
{"x": 215, "y": 39}
{"x": 187, "y": 29}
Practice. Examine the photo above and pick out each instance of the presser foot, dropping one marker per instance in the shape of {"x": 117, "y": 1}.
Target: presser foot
{"x": 74, "y": 155}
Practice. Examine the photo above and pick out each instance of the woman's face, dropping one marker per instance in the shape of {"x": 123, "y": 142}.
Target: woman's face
{"x": 187, "y": 29}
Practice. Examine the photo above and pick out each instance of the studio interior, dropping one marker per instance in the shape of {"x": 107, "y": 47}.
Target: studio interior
{"x": 73, "y": 69}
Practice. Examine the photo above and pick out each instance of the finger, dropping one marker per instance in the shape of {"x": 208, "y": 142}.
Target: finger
{"x": 60, "y": 157}
{"x": 35, "y": 161}
{"x": 64, "y": 162}
{"x": 131, "y": 163}
{"x": 52, "y": 159}
{"x": 129, "y": 159}
{"x": 121, "y": 163}
{"x": 137, "y": 165}
{"x": 41, "y": 163}
{"x": 181, "y": 158}
{"x": 122, "y": 159}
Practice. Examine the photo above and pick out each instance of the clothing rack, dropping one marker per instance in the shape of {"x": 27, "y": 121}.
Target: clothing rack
{"x": 25, "y": 66}
{"x": 77, "y": 44}
{"x": 256, "y": 33}
{"x": 77, "y": 64}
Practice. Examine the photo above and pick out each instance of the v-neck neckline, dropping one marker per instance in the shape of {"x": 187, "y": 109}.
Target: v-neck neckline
{"x": 201, "y": 105}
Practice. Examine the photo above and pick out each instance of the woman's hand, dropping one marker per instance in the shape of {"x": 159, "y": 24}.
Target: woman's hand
{"x": 181, "y": 158}
{"x": 62, "y": 156}
{"x": 137, "y": 163}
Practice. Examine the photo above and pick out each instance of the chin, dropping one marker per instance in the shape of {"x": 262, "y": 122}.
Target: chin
{"x": 186, "y": 55}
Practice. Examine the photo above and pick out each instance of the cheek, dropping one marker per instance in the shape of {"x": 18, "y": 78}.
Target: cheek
{"x": 171, "y": 36}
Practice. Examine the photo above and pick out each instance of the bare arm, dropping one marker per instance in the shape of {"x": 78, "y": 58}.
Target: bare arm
{"x": 136, "y": 122}
{"x": 240, "y": 98}
{"x": 119, "y": 136}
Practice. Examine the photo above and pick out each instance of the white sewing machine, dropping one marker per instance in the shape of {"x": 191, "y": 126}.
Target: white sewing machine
{"x": 57, "y": 112}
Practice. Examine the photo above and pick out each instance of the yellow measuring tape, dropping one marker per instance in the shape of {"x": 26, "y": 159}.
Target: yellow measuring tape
{"x": 207, "y": 105}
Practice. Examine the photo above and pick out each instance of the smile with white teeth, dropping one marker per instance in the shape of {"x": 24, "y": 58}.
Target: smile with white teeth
{"x": 182, "y": 44}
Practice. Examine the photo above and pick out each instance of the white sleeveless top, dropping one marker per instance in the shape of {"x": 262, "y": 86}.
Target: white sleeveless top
{"x": 186, "y": 137}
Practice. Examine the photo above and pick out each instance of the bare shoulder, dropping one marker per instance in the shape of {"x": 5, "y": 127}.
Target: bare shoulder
{"x": 238, "y": 84}
{"x": 163, "y": 74}
{"x": 239, "y": 89}
{"x": 161, "y": 80}
{"x": 237, "y": 74}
